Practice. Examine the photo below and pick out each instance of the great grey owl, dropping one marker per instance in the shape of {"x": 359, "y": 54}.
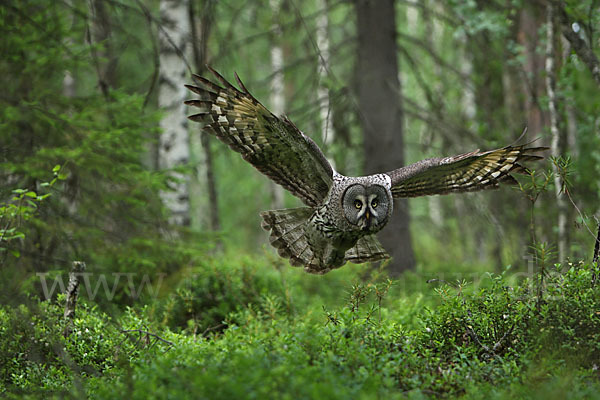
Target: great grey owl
{"x": 342, "y": 213}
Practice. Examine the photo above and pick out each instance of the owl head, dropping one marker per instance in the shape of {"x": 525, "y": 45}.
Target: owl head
{"x": 367, "y": 207}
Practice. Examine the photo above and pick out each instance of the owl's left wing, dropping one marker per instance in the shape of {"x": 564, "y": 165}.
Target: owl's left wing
{"x": 463, "y": 173}
{"x": 271, "y": 144}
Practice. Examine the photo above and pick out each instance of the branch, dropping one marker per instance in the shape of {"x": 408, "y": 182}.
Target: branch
{"x": 583, "y": 51}
{"x": 595, "y": 258}
{"x": 597, "y": 246}
{"x": 148, "y": 334}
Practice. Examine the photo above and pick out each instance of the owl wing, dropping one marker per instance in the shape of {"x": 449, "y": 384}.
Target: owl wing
{"x": 271, "y": 144}
{"x": 463, "y": 173}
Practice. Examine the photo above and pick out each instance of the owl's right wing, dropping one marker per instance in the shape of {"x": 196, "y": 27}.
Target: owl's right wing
{"x": 463, "y": 173}
{"x": 271, "y": 144}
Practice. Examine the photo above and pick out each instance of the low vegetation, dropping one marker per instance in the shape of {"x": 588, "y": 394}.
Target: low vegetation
{"x": 238, "y": 332}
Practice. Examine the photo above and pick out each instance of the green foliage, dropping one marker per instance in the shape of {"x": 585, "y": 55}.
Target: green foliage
{"x": 22, "y": 207}
{"x": 37, "y": 359}
{"x": 234, "y": 326}
{"x": 480, "y": 341}
{"x": 210, "y": 292}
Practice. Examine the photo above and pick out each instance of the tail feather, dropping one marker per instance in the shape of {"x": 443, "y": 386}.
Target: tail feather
{"x": 288, "y": 234}
{"x": 366, "y": 249}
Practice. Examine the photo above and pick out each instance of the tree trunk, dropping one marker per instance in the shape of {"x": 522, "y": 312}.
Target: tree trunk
{"x": 380, "y": 114}
{"x": 557, "y": 146}
{"x": 277, "y": 99}
{"x": 204, "y": 180}
{"x": 322, "y": 31}
{"x": 100, "y": 39}
{"x": 530, "y": 22}
{"x": 431, "y": 29}
{"x": 174, "y": 146}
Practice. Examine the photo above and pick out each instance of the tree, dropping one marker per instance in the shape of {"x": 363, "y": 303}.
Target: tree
{"x": 322, "y": 33}
{"x": 277, "y": 98}
{"x": 381, "y": 118}
{"x": 174, "y": 149}
{"x": 204, "y": 182}
{"x": 558, "y": 143}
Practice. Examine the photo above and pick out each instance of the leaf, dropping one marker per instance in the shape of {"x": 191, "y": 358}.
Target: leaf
{"x": 31, "y": 194}
{"x": 56, "y": 168}
{"x": 15, "y": 253}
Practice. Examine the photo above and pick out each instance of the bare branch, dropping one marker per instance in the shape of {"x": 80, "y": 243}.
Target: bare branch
{"x": 147, "y": 334}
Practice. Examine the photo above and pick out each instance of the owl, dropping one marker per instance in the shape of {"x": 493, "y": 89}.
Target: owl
{"x": 342, "y": 213}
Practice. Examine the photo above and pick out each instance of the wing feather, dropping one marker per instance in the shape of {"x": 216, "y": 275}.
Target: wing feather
{"x": 463, "y": 173}
{"x": 273, "y": 145}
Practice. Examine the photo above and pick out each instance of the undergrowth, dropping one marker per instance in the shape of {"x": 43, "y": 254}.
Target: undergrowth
{"x": 479, "y": 341}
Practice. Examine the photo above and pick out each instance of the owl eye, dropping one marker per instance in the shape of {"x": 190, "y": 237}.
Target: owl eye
{"x": 374, "y": 203}
{"x": 358, "y": 204}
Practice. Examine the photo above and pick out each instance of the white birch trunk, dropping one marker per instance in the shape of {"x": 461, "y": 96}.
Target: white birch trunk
{"x": 277, "y": 98}
{"x": 174, "y": 146}
{"x": 322, "y": 31}
{"x": 555, "y": 145}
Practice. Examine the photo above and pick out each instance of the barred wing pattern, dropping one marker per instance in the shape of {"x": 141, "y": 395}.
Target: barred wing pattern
{"x": 271, "y": 144}
{"x": 463, "y": 173}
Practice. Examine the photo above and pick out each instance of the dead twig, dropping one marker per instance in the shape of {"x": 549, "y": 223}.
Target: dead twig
{"x": 72, "y": 293}
{"x": 145, "y": 336}
{"x": 595, "y": 257}
{"x": 489, "y": 350}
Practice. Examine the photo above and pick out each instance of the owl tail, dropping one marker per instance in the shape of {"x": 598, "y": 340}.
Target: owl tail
{"x": 367, "y": 249}
{"x": 288, "y": 234}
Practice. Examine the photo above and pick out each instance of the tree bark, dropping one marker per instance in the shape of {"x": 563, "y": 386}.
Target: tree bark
{"x": 204, "y": 182}
{"x": 174, "y": 146}
{"x": 71, "y": 295}
{"x": 322, "y": 33}
{"x": 530, "y": 22}
{"x": 277, "y": 98}
{"x": 99, "y": 36}
{"x": 557, "y": 145}
{"x": 381, "y": 117}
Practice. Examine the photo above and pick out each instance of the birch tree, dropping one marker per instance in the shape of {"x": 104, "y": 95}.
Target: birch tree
{"x": 556, "y": 144}
{"x": 174, "y": 149}
{"x": 277, "y": 97}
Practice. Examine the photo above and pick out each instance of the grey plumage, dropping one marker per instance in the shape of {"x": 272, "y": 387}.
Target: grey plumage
{"x": 343, "y": 213}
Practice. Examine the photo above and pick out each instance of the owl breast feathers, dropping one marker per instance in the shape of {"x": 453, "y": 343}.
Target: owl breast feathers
{"x": 342, "y": 214}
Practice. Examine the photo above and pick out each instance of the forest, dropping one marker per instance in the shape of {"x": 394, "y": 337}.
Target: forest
{"x": 132, "y": 259}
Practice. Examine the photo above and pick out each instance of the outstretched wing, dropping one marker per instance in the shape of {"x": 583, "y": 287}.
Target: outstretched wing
{"x": 271, "y": 144}
{"x": 463, "y": 173}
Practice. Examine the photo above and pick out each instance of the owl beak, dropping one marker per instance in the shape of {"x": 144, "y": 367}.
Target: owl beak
{"x": 366, "y": 221}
